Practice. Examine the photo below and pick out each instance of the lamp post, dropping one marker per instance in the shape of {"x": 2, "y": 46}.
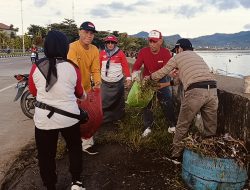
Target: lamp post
{"x": 22, "y": 24}
{"x": 73, "y": 10}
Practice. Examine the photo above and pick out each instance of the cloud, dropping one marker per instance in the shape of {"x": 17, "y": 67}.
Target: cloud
{"x": 203, "y": 5}
{"x": 114, "y": 8}
{"x": 245, "y": 3}
{"x": 58, "y": 13}
{"x": 100, "y": 12}
{"x": 247, "y": 26}
{"x": 184, "y": 10}
{"x": 227, "y": 4}
{"x": 40, "y": 3}
{"x": 142, "y": 3}
{"x": 189, "y": 11}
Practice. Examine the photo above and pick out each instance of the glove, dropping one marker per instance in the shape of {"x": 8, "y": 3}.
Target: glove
{"x": 136, "y": 75}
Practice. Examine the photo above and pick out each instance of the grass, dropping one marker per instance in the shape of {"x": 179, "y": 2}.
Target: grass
{"x": 129, "y": 132}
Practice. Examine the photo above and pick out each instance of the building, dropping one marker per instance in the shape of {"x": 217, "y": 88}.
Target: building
{"x": 7, "y": 29}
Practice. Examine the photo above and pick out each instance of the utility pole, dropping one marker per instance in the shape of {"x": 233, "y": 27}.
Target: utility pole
{"x": 22, "y": 24}
{"x": 73, "y": 10}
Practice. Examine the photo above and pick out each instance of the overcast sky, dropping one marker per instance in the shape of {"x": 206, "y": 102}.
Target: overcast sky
{"x": 189, "y": 18}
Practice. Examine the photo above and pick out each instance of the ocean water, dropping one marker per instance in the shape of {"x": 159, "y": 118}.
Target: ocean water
{"x": 234, "y": 63}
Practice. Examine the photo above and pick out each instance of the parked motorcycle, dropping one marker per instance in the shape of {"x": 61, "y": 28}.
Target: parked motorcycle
{"x": 27, "y": 101}
{"x": 33, "y": 57}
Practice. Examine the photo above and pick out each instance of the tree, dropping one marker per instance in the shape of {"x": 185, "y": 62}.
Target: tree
{"x": 68, "y": 27}
{"x": 35, "y": 30}
{"x": 4, "y": 38}
{"x": 13, "y": 31}
{"x": 99, "y": 37}
{"x": 35, "y": 34}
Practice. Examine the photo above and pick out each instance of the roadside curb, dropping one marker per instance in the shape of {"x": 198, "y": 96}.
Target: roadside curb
{"x": 6, "y": 56}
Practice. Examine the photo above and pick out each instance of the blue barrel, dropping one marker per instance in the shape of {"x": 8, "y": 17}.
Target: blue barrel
{"x": 206, "y": 173}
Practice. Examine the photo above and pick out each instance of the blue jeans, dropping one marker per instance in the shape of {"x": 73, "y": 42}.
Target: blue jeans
{"x": 164, "y": 95}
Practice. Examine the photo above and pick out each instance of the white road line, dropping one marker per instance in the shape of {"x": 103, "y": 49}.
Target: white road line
{"x": 3, "y": 89}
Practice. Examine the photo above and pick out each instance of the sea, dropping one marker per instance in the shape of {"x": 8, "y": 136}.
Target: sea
{"x": 235, "y": 63}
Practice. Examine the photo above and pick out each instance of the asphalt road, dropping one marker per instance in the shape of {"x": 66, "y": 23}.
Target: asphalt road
{"x": 16, "y": 130}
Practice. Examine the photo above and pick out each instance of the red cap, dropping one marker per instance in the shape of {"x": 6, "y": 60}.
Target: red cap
{"x": 111, "y": 38}
{"x": 154, "y": 35}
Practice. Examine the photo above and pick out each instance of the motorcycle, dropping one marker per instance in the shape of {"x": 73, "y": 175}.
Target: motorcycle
{"x": 27, "y": 101}
{"x": 33, "y": 57}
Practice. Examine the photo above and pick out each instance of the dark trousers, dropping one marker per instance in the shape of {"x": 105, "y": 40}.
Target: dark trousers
{"x": 164, "y": 96}
{"x": 46, "y": 142}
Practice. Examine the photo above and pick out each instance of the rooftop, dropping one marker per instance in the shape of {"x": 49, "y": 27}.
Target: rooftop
{"x": 4, "y": 26}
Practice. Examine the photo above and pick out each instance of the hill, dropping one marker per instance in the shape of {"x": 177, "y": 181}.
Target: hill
{"x": 240, "y": 40}
{"x": 171, "y": 40}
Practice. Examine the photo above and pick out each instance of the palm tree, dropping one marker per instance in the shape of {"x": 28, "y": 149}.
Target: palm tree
{"x": 3, "y": 39}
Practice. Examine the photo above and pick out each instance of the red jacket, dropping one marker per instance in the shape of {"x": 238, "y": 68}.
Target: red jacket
{"x": 118, "y": 67}
{"x": 34, "y": 49}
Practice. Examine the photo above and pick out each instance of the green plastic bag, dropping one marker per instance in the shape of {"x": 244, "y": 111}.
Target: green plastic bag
{"x": 138, "y": 99}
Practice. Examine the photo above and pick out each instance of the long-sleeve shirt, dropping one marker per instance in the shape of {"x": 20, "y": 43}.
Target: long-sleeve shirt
{"x": 88, "y": 62}
{"x": 62, "y": 95}
{"x": 192, "y": 68}
{"x": 152, "y": 62}
{"x": 118, "y": 66}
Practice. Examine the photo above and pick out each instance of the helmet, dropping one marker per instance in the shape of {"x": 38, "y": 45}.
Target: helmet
{"x": 111, "y": 38}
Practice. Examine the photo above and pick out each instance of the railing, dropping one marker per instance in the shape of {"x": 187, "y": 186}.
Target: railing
{"x": 6, "y": 50}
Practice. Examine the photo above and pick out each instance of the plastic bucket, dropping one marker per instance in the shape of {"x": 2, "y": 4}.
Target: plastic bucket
{"x": 206, "y": 173}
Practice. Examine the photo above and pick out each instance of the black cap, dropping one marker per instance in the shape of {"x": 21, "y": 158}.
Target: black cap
{"x": 88, "y": 26}
{"x": 183, "y": 43}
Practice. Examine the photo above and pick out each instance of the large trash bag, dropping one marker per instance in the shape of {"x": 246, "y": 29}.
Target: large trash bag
{"x": 93, "y": 105}
{"x": 137, "y": 98}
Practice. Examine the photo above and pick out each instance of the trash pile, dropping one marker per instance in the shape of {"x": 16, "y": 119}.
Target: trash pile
{"x": 218, "y": 147}
{"x": 147, "y": 86}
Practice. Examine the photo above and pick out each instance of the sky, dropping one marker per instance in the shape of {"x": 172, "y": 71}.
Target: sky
{"x": 188, "y": 18}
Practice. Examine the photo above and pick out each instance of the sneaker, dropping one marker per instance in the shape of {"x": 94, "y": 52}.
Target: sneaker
{"x": 146, "y": 132}
{"x": 90, "y": 150}
{"x": 171, "y": 129}
{"x": 77, "y": 185}
{"x": 87, "y": 143}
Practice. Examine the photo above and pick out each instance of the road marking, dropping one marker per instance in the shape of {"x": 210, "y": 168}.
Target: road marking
{"x": 3, "y": 89}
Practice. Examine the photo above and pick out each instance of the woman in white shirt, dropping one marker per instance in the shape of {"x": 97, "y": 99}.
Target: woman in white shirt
{"x": 56, "y": 83}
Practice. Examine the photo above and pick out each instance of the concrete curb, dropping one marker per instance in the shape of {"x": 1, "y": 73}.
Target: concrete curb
{"x": 6, "y": 56}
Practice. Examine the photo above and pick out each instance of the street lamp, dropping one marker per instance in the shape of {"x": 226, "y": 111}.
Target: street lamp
{"x": 22, "y": 24}
{"x": 73, "y": 10}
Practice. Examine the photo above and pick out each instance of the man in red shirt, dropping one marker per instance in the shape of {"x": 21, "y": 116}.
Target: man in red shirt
{"x": 154, "y": 58}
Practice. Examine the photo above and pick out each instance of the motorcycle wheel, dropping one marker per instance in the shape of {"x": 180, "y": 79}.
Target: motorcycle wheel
{"x": 28, "y": 104}
{"x": 33, "y": 60}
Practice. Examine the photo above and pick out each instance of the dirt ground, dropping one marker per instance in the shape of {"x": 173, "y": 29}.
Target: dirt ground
{"x": 114, "y": 167}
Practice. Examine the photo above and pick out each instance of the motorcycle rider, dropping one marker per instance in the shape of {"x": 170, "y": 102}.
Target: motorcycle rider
{"x": 34, "y": 50}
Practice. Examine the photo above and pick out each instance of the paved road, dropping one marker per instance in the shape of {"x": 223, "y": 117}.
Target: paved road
{"x": 16, "y": 130}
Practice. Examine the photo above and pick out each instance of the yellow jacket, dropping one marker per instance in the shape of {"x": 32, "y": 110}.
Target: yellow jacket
{"x": 88, "y": 62}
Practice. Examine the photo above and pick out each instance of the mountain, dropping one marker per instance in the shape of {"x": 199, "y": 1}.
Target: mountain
{"x": 141, "y": 34}
{"x": 240, "y": 40}
{"x": 220, "y": 40}
{"x": 168, "y": 39}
